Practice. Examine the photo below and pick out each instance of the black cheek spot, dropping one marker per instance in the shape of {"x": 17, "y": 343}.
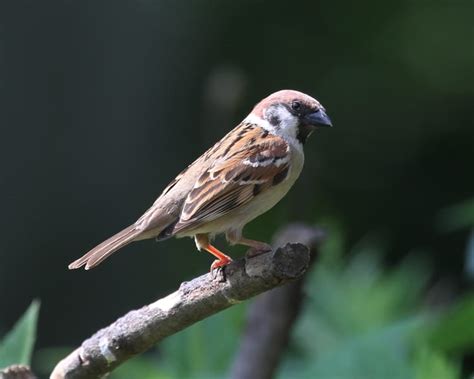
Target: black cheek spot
{"x": 274, "y": 120}
{"x": 278, "y": 178}
{"x": 264, "y": 134}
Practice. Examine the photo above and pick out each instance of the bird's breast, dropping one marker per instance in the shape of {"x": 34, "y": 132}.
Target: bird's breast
{"x": 267, "y": 199}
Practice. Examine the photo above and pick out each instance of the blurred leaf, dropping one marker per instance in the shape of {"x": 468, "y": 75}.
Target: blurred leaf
{"x": 359, "y": 319}
{"x": 357, "y": 297}
{"x": 430, "y": 364}
{"x": 17, "y": 346}
{"x": 333, "y": 248}
{"x": 381, "y": 353}
{"x": 140, "y": 367}
{"x": 454, "y": 331}
{"x": 457, "y": 217}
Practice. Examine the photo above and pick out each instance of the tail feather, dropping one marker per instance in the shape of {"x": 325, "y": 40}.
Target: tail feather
{"x": 101, "y": 252}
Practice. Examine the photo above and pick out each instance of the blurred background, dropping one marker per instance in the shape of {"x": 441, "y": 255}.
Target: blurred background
{"x": 102, "y": 103}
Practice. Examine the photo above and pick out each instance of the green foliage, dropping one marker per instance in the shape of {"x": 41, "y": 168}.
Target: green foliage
{"x": 359, "y": 319}
{"x": 458, "y": 216}
{"x": 382, "y": 353}
{"x": 17, "y": 346}
{"x": 141, "y": 367}
{"x": 453, "y": 332}
{"x": 430, "y": 364}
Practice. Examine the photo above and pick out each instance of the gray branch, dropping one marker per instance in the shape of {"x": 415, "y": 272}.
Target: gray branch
{"x": 272, "y": 315}
{"x": 141, "y": 329}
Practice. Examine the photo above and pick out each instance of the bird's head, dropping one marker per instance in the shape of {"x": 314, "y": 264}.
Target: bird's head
{"x": 291, "y": 114}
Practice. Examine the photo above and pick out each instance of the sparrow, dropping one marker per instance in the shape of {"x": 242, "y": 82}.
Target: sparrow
{"x": 242, "y": 176}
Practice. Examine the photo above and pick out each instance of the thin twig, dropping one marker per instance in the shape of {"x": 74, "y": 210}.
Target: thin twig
{"x": 202, "y": 297}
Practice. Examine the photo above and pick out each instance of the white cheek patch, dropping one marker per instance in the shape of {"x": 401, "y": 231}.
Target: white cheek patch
{"x": 286, "y": 121}
{"x": 287, "y": 127}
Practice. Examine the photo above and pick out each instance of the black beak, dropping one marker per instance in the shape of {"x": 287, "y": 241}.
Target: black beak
{"x": 318, "y": 118}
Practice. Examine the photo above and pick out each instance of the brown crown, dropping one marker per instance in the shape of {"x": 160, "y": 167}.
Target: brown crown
{"x": 286, "y": 96}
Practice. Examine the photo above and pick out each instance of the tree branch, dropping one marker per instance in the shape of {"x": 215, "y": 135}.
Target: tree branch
{"x": 17, "y": 372}
{"x": 272, "y": 315}
{"x": 202, "y": 297}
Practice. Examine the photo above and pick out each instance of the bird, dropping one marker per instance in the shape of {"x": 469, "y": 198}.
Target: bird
{"x": 239, "y": 178}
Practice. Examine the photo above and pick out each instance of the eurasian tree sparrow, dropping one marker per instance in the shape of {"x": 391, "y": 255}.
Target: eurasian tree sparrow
{"x": 242, "y": 176}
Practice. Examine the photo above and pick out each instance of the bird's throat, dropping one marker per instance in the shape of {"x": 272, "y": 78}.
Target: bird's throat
{"x": 304, "y": 131}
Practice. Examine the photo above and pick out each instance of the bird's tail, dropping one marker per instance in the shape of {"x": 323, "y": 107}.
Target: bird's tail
{"x": 106, "y": 248}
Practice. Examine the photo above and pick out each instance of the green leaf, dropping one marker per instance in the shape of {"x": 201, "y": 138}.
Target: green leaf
{"x": 17, "y": 346}
{"x": 453, "y": 333}
{"x": 381, "y": 353}
{"x": 457, "y": 217}
{"x": 142, "y": 367}
{"x": 431, "y": 364}
{"x": 359, "y": 319}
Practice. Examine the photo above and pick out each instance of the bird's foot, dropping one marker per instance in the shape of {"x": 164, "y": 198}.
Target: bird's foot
{"x": 218, "y": 269}
{"x": 218, "y": 263}
{"x": 257, "y": 250}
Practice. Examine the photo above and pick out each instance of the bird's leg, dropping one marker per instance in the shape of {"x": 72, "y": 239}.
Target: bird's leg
{"x": 202, "y": 242}
{"x": 256, "y": 247}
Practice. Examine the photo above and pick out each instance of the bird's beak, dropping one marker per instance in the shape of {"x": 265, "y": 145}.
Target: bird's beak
{"x": 318, "y": 118}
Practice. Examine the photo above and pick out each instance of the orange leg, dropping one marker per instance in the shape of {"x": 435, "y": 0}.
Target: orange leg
{"x": 202, "y": 242}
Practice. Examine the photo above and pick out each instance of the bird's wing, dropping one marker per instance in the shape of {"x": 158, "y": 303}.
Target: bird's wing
{"x": 255, "y": 163}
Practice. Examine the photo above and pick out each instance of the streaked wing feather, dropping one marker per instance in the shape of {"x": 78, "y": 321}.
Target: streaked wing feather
{"x": 234, "y": 180}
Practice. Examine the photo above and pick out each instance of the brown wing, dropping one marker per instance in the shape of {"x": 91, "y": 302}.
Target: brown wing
{"x": 236, "y": 177}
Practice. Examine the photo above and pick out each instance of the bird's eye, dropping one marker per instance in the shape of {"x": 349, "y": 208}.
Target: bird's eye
{"x": 296, "y": 105}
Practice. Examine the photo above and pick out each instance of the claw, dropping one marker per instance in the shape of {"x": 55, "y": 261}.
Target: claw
{"x": 218, "y": 263}
{"x": 217, "y": 270}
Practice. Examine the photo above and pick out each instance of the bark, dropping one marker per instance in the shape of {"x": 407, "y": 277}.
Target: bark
{"x": 17, "y": 372}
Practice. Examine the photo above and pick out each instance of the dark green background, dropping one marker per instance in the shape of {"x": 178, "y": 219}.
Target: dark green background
{"x": 103, "y": 102}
